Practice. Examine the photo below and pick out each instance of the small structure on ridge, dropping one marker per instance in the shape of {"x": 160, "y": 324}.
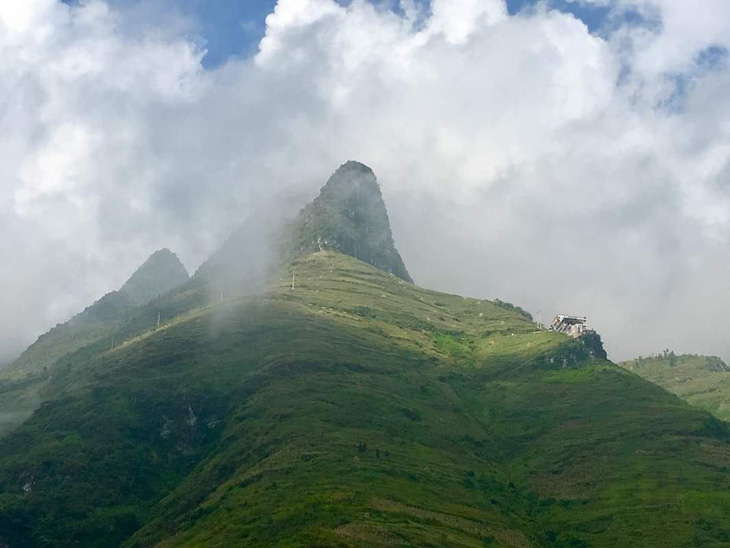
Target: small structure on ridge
{"x": 574, "y": 326}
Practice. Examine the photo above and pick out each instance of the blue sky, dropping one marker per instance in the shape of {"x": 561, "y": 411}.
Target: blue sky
{"x": 230, "y": 27}
{"x": 592, "y": 16}
{"x": 233, "y": 28}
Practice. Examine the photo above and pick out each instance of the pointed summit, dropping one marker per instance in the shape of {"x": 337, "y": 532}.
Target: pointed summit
{"x": 160, "y": 273}
{"x": 349, "y": 216}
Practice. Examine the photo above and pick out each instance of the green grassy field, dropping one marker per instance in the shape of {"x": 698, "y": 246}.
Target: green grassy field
{"x": 356, "y": 410}
{"x": 703, "y": 381}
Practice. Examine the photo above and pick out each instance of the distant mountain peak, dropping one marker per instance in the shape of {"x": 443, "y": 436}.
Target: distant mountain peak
{"x": 160, "y": 273}
{"x": 349, "y": 216}
{"x": 351, "y": 183}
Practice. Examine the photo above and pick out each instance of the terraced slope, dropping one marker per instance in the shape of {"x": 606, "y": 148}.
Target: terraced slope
{"x": 703, "y": 381}
{"x": 357, "y": 409}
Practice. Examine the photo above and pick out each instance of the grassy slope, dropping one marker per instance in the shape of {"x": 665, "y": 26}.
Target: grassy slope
{"x": 162, "y": 272}
{"x": 94, "y": 323}
{"x": 692, "y": 378}
{"x": 113, "y": 318}
{"x": 22, "y": 381}
{"x": 359, "y": 410}
{"x": 18, "y": 400}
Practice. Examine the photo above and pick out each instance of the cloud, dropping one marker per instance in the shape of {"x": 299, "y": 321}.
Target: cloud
{"x": 79, "y": 88}
{"x": 521, "y": 157}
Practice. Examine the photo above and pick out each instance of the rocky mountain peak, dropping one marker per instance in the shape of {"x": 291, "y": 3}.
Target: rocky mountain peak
{"x": 160, "y": 273}
{"x": 349, "y": 216}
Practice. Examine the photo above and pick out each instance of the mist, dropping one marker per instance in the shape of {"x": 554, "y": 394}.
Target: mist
{"x": 520, "y": 156}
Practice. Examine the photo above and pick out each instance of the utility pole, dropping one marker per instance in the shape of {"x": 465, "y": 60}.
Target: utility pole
{"x": 112, "y": 346}
{"x": 158, "y": 319}
{"x": 221, "y": 295}
{"x": 293, "y": 274}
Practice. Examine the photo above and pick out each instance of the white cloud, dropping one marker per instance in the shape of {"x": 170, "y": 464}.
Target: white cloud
{"x": 686, "y": 29}
{"x": 79, "y": 87}
{"x": 28, "y": 20}
{"x": 521, "y": 157}
{"x": 460, "y": 19}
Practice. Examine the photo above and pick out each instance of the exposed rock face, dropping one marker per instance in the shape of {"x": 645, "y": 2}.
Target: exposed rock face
{"x": 349, "y": 216}
{"x": 159, "y": 274}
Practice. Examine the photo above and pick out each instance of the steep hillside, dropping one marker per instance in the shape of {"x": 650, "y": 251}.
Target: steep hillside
{"x": 160, "y": 273}
{"x": 333, "y": 403}
{"x": 703, "y": 381}
{"x": 359, "y": 410}
{"x": 349, "y": 216}
{"x": 22, "y": 380}
{"x": 94, "y": 322}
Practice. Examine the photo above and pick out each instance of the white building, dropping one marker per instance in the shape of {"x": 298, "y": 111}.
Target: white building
{"x": 574, "y": 326}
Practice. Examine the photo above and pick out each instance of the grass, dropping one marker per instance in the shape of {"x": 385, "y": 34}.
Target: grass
{"x": 703, "y": 381}
{"x": 18, "y": 400}
{"x": 357, "y": 410}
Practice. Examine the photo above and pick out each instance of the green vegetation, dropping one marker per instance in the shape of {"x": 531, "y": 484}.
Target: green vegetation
{"x": 335, "y": 404}
{"x": 94, "y": 323}
{"x": 510, "y": 306}
{"x": 356, "y": 410}
{"x": 160, "y": 273}
{"x": 703, "y": 381}
{"x": 348, "y": 216}
{"x": 113, "y": 317}
{"x": 18, "y": 400}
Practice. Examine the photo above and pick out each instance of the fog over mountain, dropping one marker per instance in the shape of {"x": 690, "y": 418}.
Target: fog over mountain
{"x": 521, "y": 156}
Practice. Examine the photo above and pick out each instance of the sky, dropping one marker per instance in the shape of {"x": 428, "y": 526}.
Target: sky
{"x": 568, "y": 156}
{"x": 233, "y": 29}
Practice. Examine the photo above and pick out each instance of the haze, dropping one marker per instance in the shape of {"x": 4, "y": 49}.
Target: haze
{"x": 567, "y": 165}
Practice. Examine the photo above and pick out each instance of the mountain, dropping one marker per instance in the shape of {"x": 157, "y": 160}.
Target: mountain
{"x": 349, "y": 216}
{"x": 160, "y": 273}
{"x": 21, "y": 380}
{"x": 703, "y": 381}
{"x": 94, "y": 322}
{"x": 342, "y": 406}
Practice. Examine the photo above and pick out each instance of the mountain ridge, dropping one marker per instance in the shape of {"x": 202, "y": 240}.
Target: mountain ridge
{"x": 342, "y": 406}
{"x": 23, "y": 379}
{"x": 160, "y": 272}
{"x": 703, "y": 381}
{"x": 358, "y": 410}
